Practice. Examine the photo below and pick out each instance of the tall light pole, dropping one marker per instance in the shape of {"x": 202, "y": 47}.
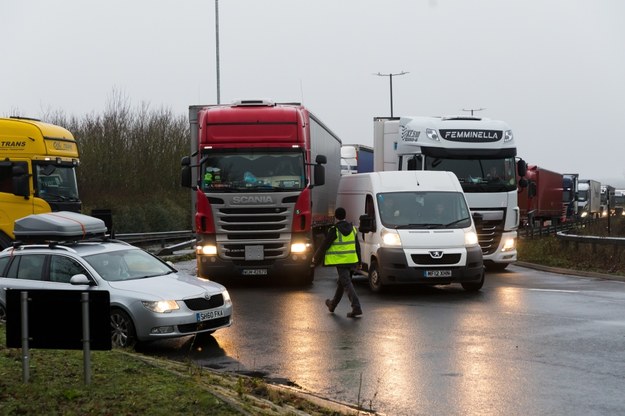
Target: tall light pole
{"x": 217, "y": 49}
{"x": 390, "y": 77}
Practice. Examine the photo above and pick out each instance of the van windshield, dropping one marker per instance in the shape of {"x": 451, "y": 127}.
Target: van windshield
{"x": 423, "y": 210}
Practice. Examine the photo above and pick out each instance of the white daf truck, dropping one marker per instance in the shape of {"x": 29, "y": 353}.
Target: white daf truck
{"x": 414, "y": 227}
{"x": 482, "y": 154}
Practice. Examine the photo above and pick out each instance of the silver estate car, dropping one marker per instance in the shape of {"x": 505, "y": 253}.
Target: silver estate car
{"x": 150, "y": 299}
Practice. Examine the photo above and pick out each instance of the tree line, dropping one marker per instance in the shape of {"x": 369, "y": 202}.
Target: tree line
{"x": 130, "y": 164}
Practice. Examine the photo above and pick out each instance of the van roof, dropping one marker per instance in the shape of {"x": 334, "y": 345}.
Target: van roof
{"x": 402, "y": 180}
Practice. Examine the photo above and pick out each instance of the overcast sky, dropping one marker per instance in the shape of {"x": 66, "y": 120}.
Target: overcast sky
{"x": 552, "y": 69}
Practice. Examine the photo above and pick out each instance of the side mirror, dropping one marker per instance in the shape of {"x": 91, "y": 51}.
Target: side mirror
{"x": 522, "y": 183}
{"x": 186, "y": 177}
{"x": 321, "y": 160}
{"x": 521, "y": 167}
{"x": 531, "y": 189}
{"x": 320, "y": 174}
{"x": 80, "y": 279}
{"x": 367, "y": 224}
{"x": 19, "y": 177}
{"x": 477, "y": 218}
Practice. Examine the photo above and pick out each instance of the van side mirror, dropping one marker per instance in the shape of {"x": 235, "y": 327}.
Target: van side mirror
{"x": 367, "y": 224}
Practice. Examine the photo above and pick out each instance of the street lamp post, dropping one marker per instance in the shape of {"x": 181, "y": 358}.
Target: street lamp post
{"x": 217, "y": 49}
{"x": 390, "y": 77}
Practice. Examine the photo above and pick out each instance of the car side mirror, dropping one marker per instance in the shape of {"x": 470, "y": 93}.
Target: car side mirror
{"x": 80, "y": 279}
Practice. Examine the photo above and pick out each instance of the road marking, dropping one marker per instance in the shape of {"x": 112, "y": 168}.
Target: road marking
{"x": 556, "y": 290}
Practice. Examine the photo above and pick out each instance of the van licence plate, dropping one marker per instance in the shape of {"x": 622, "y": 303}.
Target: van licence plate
{"x": 437, "y": 273}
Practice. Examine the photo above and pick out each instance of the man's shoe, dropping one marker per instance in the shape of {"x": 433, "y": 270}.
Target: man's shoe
{"x": 354, "y": 313}
{"x": 330, "y": 305}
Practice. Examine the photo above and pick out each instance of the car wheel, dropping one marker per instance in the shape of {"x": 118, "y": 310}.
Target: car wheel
{"x": 122, "y": 329}
{"x": 3, "y": 314}
{"x": 473, "y": 286}
{"x": 375, "y": 281}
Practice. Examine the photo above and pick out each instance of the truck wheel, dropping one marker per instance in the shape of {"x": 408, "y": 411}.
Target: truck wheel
{"x": 473, "y": 286}
{"x": 375, "y": 281}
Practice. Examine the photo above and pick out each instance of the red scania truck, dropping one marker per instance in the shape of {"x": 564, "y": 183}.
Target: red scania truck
{"x": 256, "y": 170}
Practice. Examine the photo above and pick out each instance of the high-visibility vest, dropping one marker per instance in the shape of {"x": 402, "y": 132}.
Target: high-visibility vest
{"x": 342, "y": 250}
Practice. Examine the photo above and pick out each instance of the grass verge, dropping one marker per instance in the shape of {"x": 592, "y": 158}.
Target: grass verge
{"x": 125, "y": 383}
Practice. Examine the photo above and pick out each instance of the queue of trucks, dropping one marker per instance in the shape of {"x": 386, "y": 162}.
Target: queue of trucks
{"x": 266, "y": 178}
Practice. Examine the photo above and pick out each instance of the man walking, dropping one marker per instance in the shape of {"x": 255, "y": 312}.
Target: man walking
{"x": 341, "y": 249}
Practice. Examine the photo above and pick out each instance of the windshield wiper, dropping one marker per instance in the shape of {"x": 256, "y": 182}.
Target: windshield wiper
{"x": 418, "y": 225}
{"x": 457, "y": 221}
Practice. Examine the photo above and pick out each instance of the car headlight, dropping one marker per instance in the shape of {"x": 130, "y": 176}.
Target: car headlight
{"x": 226, "y": 296}
{"x": 161, "y": 306}
{"x": 391, "y": 238}
{"x": 432, "y": 134}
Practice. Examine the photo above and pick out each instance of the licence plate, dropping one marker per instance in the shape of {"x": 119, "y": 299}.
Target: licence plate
{"x": 437, "y": 273}
{"x": 254, "y": 272}
{"x": 205, "y": 316}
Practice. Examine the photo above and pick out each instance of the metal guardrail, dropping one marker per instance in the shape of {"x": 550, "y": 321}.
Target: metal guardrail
{"x": 594, "y": 241}
{"x": 163, "y": 243}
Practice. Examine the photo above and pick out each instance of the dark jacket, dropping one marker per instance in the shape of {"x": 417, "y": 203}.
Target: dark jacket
{"x": 344, "y": 228}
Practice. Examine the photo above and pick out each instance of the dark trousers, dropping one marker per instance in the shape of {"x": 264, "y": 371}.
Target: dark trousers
{"x": 345, "y": 284}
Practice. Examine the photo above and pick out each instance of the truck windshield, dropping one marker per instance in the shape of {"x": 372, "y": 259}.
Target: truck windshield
{"x": 56, "y": 182}
{"x": 419, "y": 210}
{"x": 251, "y": 171}
{"x": 475, "y": 175}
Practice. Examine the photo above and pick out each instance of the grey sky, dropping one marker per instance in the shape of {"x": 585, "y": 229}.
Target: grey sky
{"x": 554, "y": 70}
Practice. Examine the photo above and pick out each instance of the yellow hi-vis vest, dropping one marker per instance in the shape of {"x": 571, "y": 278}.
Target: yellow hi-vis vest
{"x": 342, "y": 250}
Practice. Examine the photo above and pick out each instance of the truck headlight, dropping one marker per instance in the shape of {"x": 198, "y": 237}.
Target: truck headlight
{"x": 390, "y": 238}
{"x": 208, "y": 250}
{"x": 299, "y": 247}
{"x": 509, "y": 244}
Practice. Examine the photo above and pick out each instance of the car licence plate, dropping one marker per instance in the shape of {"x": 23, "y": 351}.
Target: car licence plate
{"x": 437, "y": 273}
{"x": 205, "y": 316}
{"x": 254, "y": 272}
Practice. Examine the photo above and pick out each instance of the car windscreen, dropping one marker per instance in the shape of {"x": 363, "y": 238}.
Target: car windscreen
{"x": 127, "y": 265}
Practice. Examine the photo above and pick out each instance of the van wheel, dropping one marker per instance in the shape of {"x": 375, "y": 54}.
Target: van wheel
{"x": 375, "y": 281}
{"x": 473, "y": 286}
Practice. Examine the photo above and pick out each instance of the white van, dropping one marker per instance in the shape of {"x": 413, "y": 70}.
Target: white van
{"x": 414, "y": 227}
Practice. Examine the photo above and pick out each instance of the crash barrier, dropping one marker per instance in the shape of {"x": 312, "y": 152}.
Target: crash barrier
{"x": 546, "y": 230}
{"x": 593, "y": 241}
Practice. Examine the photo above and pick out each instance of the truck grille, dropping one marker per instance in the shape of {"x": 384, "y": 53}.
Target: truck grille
{"x": 238, "y": 227}
{"x": 489, "y": 235}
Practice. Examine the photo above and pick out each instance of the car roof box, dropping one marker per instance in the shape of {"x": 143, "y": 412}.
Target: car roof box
{"x": 62, "y": 225}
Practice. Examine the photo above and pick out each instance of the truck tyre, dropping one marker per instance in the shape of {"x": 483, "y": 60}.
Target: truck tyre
{"x": 375, "y": 281}
{"x": 473, "y": 286}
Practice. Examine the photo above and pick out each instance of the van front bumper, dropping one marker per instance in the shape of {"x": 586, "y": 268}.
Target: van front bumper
{"x": 394, "y": 269}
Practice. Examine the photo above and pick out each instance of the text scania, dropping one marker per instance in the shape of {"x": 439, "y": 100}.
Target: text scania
{"x": 257, "y": 199}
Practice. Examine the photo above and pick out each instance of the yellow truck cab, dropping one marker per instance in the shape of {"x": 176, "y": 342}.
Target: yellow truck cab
{"x": 37, "y": 171}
